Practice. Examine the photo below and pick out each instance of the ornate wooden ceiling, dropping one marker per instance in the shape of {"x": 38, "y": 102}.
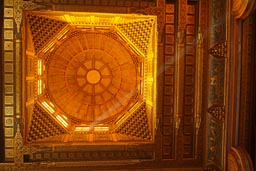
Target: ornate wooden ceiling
{"x": 87, "y": 74}
{"x": 126, "y": 91}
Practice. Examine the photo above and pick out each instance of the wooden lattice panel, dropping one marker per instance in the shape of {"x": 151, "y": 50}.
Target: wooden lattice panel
{"x": 136, "y": 125}
{"x": 139, "y": 33}
{"x": 43, "y": 126}
{"x": 43, "y": 29}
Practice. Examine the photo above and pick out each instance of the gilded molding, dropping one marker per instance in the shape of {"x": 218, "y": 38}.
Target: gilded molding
{"x": 199, "y": 80}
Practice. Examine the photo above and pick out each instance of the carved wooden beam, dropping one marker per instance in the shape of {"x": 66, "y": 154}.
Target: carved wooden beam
{"x": 179, "y": 62}
{"x": 179, "y": 70}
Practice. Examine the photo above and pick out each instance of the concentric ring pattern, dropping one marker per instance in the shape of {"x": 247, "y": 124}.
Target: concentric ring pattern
{"x": 91, "y": 76}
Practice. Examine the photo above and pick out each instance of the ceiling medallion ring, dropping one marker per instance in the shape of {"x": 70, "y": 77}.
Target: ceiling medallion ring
{"x": 92, "y": 79}
{"x": 94, "y": 71}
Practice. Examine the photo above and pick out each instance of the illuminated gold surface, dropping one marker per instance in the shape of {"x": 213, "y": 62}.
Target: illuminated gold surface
{"x": 93, "y": 72}
{"x": 93, "y": 81}
{"x": 8, "y": 23}
{"x": 9, "y": 153}
{"x": 8, "y": 12}
{"x": 93, "y": 76}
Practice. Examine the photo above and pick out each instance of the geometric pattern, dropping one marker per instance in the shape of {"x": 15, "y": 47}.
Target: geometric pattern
{"x": 138, "y": 33}
{"x": 217, "y": 111}
{"x": 43, "y": 126}
{"x": 43, "y": 29}
{"x": 86, "y": 77}
{"x": 136, "y": 125}
{"x": 219, "y": 50}
{"x": 94, "y": 80}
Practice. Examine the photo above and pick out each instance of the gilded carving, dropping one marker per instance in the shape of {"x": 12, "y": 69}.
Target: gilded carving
{"x": 20, "y": 5}
{"x": 177, "y": 120}
{"x": 8, "y": 12}
{"x": 8, "y": 23}
{"x": 219, "y": 50}
{"x": 8, "y": 2}
{"x": 8, "y": 78}
{"x": 159, "y": 12}
{"x": 8, "y": 34}
{"x": 8, "y": 121}
{"x": 20, "y": 149}
{"x": 8, "y": 45}
{"x": 217, "y": 112}
{"x": 132, "y": 127}
{"x": 8, "y": 89}
{"x": 9, "y": 142}
{"x": 30, "y": 5}
{"x": 200, "y": 38}
{"x": 8, "y": 100}
{"x": 18, "y": 13}
{"x": 199, "y": 80}
{"x": 180, "y": 36}
{"x": 8, "y": 132}
{"x": 9, "y": 153}
{"x": 8, "y": 56}
{"x": 8, "y": 110}
{"x": 197, "y": 123}
{"x": 8, "y": 67}
{"x": 91, "y": 35}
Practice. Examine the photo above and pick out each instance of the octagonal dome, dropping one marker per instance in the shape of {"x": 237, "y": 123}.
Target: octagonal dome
{"x": 93, "y": 74}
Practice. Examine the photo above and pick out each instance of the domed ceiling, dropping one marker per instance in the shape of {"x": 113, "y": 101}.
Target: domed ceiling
{"x": 90, "y": 74}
